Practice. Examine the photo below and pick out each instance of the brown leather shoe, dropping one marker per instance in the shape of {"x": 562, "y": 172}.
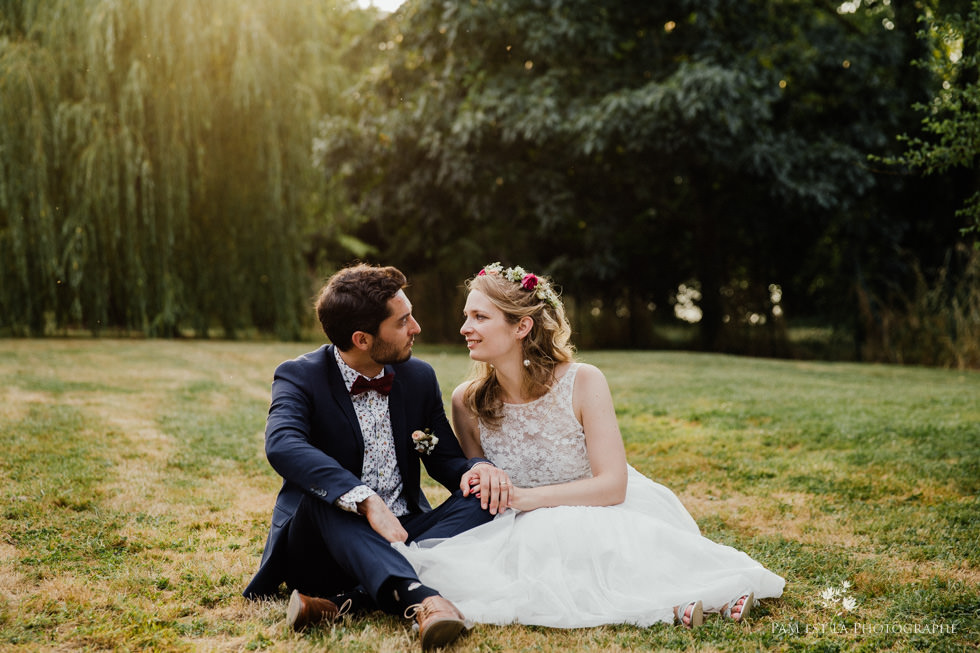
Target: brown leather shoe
{"x": 305, "y": 610}
{"x": 439, "y": 621}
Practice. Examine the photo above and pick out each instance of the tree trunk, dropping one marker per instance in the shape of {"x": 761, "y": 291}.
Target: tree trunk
{"x": 710, "y": 270}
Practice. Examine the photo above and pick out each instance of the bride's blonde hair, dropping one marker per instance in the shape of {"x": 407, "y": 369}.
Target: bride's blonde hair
{"x": 519, "y": 294}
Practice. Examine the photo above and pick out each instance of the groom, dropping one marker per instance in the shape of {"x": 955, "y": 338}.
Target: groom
{"x": 340, "y": 433}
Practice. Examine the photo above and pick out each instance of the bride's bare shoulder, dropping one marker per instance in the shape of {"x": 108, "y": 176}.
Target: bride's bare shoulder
{"x": 465, "y": 422}
{"x": 588, "y": 373}
{"x": 590, "y": 384}
{"x": 460, "y": 390}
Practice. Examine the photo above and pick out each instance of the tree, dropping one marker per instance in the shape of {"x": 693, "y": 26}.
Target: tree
{"x": 626, "y": 147}
{"x": 155, "y": 161}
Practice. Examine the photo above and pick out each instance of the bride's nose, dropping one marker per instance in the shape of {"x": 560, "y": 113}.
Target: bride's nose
{"x": 463, "y": 330}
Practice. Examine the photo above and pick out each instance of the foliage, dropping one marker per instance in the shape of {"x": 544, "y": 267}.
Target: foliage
{"x": 135, "y": 505}
{"x": 155, "y": 167}
{"x": 951, "y": 123}
{"x": 625, "y": 148}
{"x": 936, "y": 323}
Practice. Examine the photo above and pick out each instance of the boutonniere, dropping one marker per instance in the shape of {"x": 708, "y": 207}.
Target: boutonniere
{"x": 425, "y": 442}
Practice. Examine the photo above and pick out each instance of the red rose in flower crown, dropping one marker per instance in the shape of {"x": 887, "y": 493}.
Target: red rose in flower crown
{"x": 528, "y": 281}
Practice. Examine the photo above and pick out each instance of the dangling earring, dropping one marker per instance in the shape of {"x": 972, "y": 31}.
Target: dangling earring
{"x": 527, "y": 363}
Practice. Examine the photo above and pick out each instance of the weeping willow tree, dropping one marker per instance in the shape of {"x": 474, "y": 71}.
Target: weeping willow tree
{"x": 155, "y": 161}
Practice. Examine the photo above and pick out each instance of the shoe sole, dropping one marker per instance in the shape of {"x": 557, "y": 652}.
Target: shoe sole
{"x": 293, "y": 610}
{"x": 441, "y": 633}
{"x": 746, "y": 607}
{"x": 697, "y": 615}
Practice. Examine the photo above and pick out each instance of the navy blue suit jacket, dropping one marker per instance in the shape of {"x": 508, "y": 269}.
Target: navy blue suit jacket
{"x": 313, "y": 440}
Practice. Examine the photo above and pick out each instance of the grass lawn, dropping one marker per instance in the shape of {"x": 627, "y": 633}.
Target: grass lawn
{"x": 136, "y": 498}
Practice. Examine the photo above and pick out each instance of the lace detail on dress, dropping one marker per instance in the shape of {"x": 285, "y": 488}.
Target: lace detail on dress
{"x": 541, "y": 442}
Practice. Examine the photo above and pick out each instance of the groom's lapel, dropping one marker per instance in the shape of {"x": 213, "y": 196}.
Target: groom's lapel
{"x": 338, "y": 389}
{"x": 399, "y": 428}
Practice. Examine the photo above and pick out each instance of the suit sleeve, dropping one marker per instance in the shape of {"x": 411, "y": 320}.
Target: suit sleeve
{"x": 447, "y": 463}
{"x": 287, "y": 439}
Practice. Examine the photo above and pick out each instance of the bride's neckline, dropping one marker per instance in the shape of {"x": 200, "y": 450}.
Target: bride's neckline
{"x": 554, "y": 385}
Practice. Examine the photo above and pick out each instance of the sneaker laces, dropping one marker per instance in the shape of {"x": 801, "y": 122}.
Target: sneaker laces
{"x": 417, "y": 611}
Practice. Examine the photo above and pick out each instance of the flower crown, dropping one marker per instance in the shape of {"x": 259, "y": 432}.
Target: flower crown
{"x": 528, "y": 282}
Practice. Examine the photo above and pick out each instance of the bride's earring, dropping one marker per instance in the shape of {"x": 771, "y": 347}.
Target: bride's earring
{"x": 527, "y": 363}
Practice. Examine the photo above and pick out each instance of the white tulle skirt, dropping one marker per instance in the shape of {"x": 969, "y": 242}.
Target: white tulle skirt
{"x": 575, "y": 566}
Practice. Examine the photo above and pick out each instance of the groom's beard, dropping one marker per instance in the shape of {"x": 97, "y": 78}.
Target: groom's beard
{"x": 385, "y": 352}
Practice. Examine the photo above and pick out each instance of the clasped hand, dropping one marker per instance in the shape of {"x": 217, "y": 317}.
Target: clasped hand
{"x": 490, "y": 484}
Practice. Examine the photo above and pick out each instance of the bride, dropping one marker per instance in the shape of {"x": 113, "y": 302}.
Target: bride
{"x": 580, "y": 538}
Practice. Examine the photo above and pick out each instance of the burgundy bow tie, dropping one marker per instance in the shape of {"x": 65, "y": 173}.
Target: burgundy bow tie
{"x": 381, "y": 385}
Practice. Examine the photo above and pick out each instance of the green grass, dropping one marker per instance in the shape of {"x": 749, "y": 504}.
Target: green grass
{"x": 136, "y": 498}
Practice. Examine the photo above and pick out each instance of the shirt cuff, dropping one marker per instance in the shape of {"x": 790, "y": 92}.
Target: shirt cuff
{"x": 350, "y": 500}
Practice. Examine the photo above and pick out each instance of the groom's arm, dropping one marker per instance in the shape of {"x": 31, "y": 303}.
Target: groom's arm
{"x": 448, "y": 463}
{"x": 288, "y": 438}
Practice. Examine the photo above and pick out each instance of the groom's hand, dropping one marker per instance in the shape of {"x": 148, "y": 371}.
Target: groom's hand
{"x": 382, "y": 520}
{"x": 491, "y": 484}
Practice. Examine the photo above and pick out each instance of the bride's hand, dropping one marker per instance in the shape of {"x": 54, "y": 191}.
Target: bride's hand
{"x": 517, "y": 497}
{"x": 490, "y": 484}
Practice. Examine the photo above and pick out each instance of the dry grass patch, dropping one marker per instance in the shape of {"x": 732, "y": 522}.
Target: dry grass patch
{"x": 15, "y": 402}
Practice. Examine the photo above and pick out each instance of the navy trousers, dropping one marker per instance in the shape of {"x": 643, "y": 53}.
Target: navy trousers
{"x": 331, "y": 551}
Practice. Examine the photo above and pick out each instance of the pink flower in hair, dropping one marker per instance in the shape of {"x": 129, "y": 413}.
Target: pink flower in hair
{"x": 529, "y": 282}
{"x": 493, "y": 268}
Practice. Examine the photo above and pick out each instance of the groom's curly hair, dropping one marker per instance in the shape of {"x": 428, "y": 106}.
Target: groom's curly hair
{"x": 545, "y": 346}
{"x": 356, "y": 299}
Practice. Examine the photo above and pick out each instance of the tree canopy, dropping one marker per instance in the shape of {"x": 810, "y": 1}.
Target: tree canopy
{"x": 631, "y": 148}
{"x": 156, "y": 161}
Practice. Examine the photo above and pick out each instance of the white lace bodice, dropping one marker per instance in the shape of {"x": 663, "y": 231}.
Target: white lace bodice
{"x": 541, "y": 442}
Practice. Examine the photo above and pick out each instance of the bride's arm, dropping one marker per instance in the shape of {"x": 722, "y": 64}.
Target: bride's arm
{"x": 488, "y": 482}
{"x": 466, "y": 425}
{"x": 593, "y": 406}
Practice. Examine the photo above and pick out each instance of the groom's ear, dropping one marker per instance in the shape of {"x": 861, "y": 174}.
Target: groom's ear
{"x": 361, "y": 340}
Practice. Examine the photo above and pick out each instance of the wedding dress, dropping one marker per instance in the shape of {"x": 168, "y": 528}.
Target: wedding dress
{"x": 578, "y": 566}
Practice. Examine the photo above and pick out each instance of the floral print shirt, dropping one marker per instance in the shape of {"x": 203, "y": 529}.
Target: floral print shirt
{"x": 380, "y": 469}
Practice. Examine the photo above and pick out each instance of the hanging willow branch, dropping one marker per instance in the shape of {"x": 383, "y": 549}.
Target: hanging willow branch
{"x": 155, "y": 162}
